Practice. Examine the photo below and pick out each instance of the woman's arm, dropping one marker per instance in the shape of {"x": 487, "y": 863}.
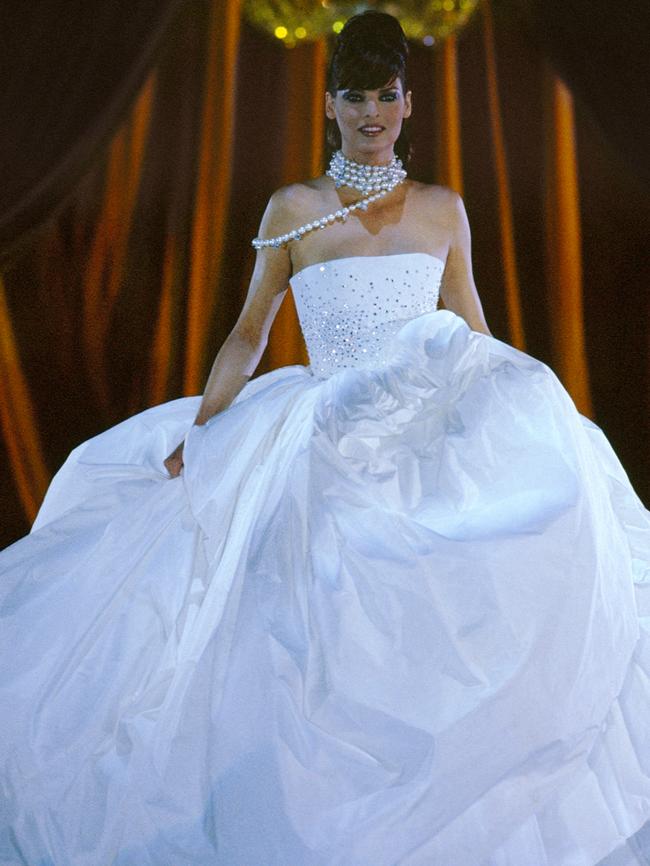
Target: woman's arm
{"x": 458, "y": 289}
{"x": 242, "y": 350}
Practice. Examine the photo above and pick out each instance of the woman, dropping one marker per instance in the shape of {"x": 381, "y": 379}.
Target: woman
{"x": 384, "y": 609}
{"x": 415, "y": 215}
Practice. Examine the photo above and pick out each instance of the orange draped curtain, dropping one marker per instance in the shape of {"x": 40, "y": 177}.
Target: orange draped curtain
{"x": 104, "y": 271}
{"x": 564, "y": 242}
{"x": 171, "y": 301}
{"x": 19, "y": 429}
{"x": 303, "y": 158}
{"x": 506, "y": 220}
{"x": 213, "y": 186}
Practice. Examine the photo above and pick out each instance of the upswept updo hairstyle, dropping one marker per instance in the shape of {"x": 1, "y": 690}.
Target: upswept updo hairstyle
{"x": 370, "y": 51}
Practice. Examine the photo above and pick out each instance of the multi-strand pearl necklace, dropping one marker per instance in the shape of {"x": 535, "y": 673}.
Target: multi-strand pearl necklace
{"x": 374, "y": 181}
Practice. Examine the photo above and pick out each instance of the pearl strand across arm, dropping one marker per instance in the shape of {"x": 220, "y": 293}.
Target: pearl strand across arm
{"x": 378, "y": 180}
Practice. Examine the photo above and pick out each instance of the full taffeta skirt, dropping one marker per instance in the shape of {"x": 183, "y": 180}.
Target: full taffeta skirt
{"x": 393, "y": 617}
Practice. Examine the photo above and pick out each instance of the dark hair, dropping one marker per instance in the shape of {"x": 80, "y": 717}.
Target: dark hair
{"x": 370, "y": 51}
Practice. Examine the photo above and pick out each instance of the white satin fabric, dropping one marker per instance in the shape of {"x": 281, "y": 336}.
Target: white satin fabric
{"x": 394, "y": 612}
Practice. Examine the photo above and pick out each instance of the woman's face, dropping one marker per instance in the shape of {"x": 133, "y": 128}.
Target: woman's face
{"x": 370, "y": 120}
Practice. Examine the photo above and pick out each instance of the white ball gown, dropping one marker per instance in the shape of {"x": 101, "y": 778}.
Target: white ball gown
{"x": 395, "y": 611}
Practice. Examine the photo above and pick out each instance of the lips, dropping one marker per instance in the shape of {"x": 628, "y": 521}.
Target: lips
{"x": 371, "y": 129}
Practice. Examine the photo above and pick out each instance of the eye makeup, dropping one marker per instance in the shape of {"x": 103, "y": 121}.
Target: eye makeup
{"x": 355, "y": 95}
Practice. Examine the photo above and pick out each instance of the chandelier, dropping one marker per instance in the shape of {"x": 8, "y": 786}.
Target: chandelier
{"x": 296, "y": 21}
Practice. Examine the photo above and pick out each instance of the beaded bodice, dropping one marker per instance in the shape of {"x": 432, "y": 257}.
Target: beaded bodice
{"x": 350, "y": 308}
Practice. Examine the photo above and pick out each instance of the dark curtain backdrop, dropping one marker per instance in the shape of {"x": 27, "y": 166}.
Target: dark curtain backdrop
{"x": 140, "y": 143}
{"x": 601, "y": 50}
{"x": 70, "y": 72}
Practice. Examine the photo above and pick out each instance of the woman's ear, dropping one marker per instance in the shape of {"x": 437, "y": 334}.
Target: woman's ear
{"x": 408, "y": 106}
{"x": 329, "y": 106}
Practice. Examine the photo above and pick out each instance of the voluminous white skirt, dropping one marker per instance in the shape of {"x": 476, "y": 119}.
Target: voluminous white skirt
{"x": 396, "y": 617}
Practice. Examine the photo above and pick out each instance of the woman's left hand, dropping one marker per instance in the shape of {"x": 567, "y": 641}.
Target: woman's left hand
{"x": 174, "y": 463}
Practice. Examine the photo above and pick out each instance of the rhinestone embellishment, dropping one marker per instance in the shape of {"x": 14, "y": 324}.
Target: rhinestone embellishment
{"x": 350, "y": 309}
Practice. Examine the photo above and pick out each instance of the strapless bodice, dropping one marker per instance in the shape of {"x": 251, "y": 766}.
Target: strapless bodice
{"x": 349, "y": 308}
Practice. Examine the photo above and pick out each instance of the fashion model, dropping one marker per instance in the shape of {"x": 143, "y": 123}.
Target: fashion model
{"x": 390, "y": 608}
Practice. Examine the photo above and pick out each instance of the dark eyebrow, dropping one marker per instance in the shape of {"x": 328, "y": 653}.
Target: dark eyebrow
{"x": 381, "y": 89}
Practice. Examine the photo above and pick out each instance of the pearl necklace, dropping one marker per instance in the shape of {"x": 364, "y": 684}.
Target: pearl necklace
{"x": 374, "y": 181}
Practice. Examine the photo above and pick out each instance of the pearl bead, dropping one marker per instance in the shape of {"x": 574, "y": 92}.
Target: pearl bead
{"x": 373, "y": 181}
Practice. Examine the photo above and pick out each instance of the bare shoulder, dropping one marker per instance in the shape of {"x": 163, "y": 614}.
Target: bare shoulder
{"x": 284, "y": 200}
{"x": 442, "y": 203}
{"x": 294, "y": 197}
{"x": 279, "y": 210}
{"x": 286, "y": 206}
{"x": 447, "y": 211}
{"x": 273, "y": 265}
{"x": 440, "y": 194}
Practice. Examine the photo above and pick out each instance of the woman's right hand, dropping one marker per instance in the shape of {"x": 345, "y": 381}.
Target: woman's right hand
{"x": 174, "y": 463}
